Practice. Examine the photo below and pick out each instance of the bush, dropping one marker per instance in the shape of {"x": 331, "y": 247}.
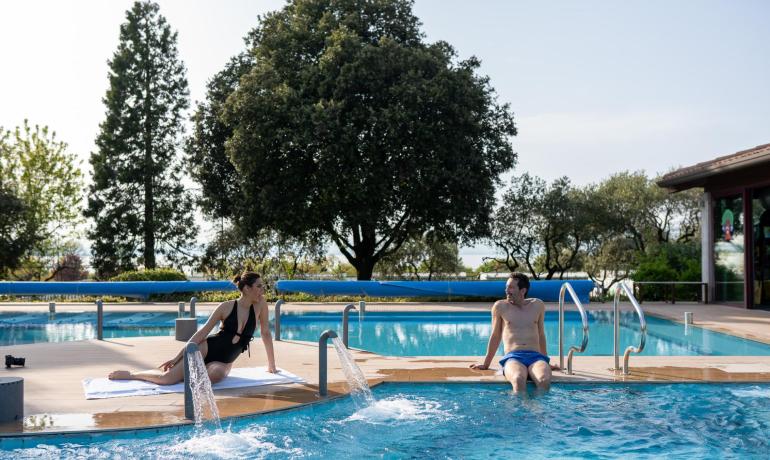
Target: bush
{"x": 156, "y": 274}
{"x": 671, "y": 262}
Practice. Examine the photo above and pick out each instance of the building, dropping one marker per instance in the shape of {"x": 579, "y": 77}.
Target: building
{"x": 735, "y": 226}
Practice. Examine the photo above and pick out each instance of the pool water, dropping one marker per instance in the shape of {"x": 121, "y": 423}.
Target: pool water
{"x": 20, "y": 328}
{"x": 465, "y": 421}
{"x": 402, "y": 333}
{"x": 467, "y": 334}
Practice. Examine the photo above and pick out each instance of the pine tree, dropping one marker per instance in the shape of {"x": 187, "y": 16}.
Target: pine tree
{"x": 137, "y": 199}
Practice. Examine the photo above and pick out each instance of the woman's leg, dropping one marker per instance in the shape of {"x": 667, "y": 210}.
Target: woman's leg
{"x": 170, "y": 377}
{"x": 218, "y": 371}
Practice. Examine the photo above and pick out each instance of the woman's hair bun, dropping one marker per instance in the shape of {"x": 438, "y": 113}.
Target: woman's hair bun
{"x": 237, "y": 279}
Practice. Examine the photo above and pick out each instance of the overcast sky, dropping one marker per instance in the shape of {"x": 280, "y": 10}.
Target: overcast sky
{"x": 597, "y": 87}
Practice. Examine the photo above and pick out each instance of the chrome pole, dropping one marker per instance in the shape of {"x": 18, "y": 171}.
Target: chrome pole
{"x": 345, "y": 321}
{"x": 100, "y": 319}
{"x": 189, "y": 406}
{"x": 562, "y": 292}
{"x": 278, "y": 319}
{"x": 616, "y": 329}
{"x": 322, "y": 364}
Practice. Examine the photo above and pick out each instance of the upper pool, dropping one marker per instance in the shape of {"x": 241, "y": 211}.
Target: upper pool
{"x": 463, "y": 421}
{"x": 401, "y": 333}
{"x": 467, "y": 334}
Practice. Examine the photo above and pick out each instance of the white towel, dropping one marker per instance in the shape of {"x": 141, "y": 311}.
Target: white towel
{"x": 239, "y": 377}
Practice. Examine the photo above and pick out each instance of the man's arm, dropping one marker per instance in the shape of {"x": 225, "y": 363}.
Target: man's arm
{"x": 541, "y": 330}
{"x": 494, "y": 340}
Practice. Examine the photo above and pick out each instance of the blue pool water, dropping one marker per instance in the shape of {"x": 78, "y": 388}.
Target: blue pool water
{"x": 467, "y": 334}
{"x": 402, "y": 333}
{"x": 465, "y": 421}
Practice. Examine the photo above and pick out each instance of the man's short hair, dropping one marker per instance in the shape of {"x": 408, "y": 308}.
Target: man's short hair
{"x": 522, "y": 280}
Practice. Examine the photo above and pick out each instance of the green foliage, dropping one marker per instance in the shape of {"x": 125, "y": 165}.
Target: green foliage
{"x": 16, "y": 238}
{"x": 156, "y": 274}
{"x": 43, "y": 186}
{"x": 427, "y": 254}
{"x": 137, "y": 200}
{"x": 671, "y": 262}
{"x": 646, "y": 213}
{"x": 541, "y": 228}
{"x": 264, "y": 251}
{"x": 346, "y": 123}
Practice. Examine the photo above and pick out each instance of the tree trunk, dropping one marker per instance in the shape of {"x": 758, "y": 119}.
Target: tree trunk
{"x": 149, "y": 171}
{"x": 364, "y": 270}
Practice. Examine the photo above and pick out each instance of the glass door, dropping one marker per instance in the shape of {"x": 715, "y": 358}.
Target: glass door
{"x": 760, "y": 253}
{"x": 729, "y": 270}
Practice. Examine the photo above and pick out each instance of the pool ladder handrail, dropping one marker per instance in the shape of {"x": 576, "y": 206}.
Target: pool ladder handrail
{"x": 616, "y": 327}
{"x": 565, "y": 288}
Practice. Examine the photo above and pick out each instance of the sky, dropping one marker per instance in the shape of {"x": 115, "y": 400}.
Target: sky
{"x": 596, "y": 87}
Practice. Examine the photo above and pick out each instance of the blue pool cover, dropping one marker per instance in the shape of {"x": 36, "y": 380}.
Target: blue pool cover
{"x": 545, "y": 290}
{"x": 141, "y": 289}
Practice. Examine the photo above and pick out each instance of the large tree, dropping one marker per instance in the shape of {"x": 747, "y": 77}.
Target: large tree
{"x": 43, "y": 185}
{"x": 347, "y": 123}
{"x": 15, "y": 237}
{"x": 137, "y": 199}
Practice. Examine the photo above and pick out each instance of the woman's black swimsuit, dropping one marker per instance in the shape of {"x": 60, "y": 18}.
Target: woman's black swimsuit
{"x": 221, "y": 347}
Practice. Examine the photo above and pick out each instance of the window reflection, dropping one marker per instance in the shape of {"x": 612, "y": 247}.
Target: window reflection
{"x": 728, "y": 249}
{"x": 761, "y": 250}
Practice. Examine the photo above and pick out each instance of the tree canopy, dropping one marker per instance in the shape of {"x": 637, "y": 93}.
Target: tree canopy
{"x": 604, "y": 229}
{"x": 137, "y": 199}
{"x": 348, "y": 124}
{"x": 41, "y": 185}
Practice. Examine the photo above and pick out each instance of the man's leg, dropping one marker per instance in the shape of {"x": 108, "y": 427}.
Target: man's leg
{"x": 516, "y": 373}
{"x": 540, "y": 372}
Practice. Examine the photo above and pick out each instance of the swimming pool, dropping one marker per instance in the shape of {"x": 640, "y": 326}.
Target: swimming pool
{"x": 402, "y": 333}
{"x": 20, "y": 327}
{"x": 464, "y": 421}
{"x": 467, "y": 334}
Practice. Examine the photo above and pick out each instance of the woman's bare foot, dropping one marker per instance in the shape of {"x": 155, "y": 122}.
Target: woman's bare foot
{"x": 119, "y": 375}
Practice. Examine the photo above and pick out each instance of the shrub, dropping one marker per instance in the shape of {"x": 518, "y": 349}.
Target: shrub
{"x": 157, "y": 274}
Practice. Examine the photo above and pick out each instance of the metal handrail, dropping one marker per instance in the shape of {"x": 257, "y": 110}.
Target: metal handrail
{"x": 278, "y": 319}
{"x": 566, "y": 287}
{"x": 345, "y": 320}
{"x": 189, "y": 406}
{"x": 322, "y": 371}
{"x": 616, "y": 328}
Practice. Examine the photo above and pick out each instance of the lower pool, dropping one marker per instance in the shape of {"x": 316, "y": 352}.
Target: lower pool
{"x": 464, "y": 421}
{"x": 402, "y": 333}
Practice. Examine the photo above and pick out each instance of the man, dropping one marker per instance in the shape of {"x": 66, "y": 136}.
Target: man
{"x": 518, "y": 321}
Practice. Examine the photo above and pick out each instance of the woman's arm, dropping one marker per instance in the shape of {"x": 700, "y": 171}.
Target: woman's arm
{"x": 267, "y": 338}
{"x": 199, "y": 336}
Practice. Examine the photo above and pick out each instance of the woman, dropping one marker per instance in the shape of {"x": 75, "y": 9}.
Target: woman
{"x": 238, "y": 322}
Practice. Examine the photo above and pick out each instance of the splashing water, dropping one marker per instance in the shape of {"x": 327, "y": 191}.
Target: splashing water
{"x": 400, "y": 409}
{"x": 203, "y": 396}
{"x": 359, "y": 388}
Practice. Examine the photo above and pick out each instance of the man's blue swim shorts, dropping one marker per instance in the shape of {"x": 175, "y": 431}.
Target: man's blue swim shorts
{"x": 525, "y": 357}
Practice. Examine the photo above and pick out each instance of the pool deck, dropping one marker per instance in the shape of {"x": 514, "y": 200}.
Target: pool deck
{"x": 54, "y": 399}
